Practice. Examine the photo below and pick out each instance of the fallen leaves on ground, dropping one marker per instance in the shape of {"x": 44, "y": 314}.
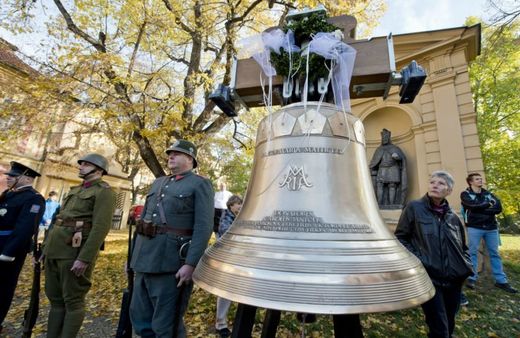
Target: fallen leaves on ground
{"x": 491, "y": 313}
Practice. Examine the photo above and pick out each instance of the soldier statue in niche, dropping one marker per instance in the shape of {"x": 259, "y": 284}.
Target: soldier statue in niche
{"x": 388, "y": 169}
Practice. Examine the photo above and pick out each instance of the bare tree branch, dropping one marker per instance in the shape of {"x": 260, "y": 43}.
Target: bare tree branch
{"x": 204, "y": 116}
{"x": 174, "y": 58}
{"x": 178, "y": 21}
{"x": 216, "y": 125}
{"x": 246, "y": 12}
{"x": 76, "y": 30}
{"x": 136, "y": 48}
{"x": 194, "y": 66}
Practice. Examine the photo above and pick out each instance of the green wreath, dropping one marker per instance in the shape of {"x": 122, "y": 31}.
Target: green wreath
{"x": 303, "y": 30}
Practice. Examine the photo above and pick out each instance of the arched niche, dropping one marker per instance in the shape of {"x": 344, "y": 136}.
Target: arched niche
{"x": 400, "y": 123}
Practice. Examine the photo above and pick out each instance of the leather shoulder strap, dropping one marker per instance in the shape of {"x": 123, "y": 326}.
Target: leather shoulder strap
{"x": 159, "y": 201}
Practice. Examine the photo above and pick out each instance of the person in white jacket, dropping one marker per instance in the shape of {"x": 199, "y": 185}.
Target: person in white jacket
{"x": 221, "y": 198}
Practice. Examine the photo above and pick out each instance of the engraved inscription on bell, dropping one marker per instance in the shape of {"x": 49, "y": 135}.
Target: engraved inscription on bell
{"x": 309, "y": 149}
{"x": 302, "y": 221}
{"x": 295, "y": 179}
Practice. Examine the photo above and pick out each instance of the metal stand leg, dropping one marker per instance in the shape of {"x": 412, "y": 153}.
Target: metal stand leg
{"x": 271, "y": 321}
{"x": 347, "y": 326}
{"x": 244, "y": 321}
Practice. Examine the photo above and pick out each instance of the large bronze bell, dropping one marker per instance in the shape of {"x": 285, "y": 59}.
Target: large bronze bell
{"x": 310, "y": 237}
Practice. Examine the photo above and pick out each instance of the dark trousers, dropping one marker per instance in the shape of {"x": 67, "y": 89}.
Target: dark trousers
{"x": 440, "y": 311}
{"x": 9, "y": 272}
{"x": 216, "y": 219}
{"x": 156, "y": 305}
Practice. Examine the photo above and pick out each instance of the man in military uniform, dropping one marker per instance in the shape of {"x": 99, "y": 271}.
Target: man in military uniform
{"x": 21, "y": 209}
{"x": 73, "y": 244}
{"x": 173, "y": 232}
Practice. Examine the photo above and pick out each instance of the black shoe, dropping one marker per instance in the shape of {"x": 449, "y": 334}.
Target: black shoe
{"x": 224, "y": 333}
{"x": 463, "y": 300}
{"x": 506, "y": 287}
{"x": 470, "y": 284}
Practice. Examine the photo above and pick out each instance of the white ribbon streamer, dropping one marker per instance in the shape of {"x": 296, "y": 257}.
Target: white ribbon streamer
{"x": 260, "y": 47}
{"x": 343, "y": 57}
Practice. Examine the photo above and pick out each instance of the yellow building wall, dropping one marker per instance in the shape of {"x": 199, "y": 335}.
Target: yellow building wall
{"x": 59, "y": 171}
{"x": 438, "y": 131}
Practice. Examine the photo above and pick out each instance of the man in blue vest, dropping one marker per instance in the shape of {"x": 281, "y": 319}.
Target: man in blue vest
{"x": 21, "y": 208}
{"x": 481, "y": 208}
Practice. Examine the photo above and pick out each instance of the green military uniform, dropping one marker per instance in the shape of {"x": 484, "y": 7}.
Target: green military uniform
{"x": 187, "y": 215}
{"x": 87, "y": 209}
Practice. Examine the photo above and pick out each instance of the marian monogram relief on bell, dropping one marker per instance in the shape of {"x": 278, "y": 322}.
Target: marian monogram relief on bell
{"x": 295, "y": 179}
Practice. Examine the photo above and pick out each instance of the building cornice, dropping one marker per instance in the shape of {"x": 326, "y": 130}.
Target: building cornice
{"x": 438, "y": 40}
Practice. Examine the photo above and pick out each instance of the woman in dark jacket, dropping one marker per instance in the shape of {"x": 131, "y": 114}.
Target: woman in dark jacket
{"x": 430, "y": 230}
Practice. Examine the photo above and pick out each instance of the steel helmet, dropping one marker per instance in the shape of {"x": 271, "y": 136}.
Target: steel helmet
{"x": 97, "y": 160}
{"x": 185, "y": 147}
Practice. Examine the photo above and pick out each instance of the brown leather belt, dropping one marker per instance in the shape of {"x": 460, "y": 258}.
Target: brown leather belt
{"x": 73, "y": 223}
{"x": 178, "y": 231}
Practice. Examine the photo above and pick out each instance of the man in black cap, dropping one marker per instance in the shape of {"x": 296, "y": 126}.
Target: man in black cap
{"x": 175, "y": 226}
{"x": 21, "y": 209}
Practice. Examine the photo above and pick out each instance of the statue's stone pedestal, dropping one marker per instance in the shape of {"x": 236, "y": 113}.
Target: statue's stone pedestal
{"x": 391, "y": 217}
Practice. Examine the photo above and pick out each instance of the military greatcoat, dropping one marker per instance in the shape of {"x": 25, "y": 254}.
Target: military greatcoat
{"x": 92, "y": 202}
{"x": 20, "y": 214}
{"x": 187, "y": 202}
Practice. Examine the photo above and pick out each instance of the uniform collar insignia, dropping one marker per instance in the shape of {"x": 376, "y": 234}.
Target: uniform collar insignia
{"x": 88, "y": 184}
{"x": 181, "y": 176}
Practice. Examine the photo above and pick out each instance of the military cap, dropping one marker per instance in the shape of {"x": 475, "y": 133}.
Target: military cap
{"x": 185, "y": 147}
{"x": 18, "y": 169}
{"x": 97, "y": 160}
